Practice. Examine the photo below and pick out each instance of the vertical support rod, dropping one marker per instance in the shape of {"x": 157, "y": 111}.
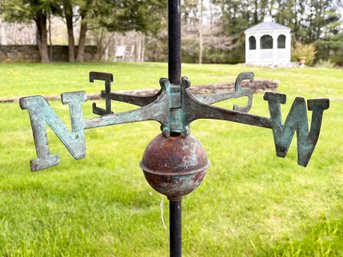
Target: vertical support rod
{"x": 174, "y": 41}
{"x": 175, "y": 214}
{"x": 174, "y": 76}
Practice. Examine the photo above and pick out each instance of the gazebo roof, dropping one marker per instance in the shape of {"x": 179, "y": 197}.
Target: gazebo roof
{"x": 267, "y": 25}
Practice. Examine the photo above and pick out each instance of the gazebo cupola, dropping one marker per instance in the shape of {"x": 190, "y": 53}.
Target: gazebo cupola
{"x": 268, "y": 43}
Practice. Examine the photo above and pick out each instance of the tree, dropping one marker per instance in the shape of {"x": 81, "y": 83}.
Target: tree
{"x": 26, "y": 11}
{"x": 334, "y": 48}
{"x": 125, "y": 15}
{"x": 74, "y": 10}
{"x": 193, "y": 19}
{"x": 69, "y": 15}
{"x": 235, "y": 18}
{"x": 308, "y": 19}
{"x": 85, "y": 7}
{"x": 142, "y": 16}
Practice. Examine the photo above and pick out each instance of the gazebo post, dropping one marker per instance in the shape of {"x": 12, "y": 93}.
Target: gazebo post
{"x": 275, "y": 47}
{"x": 258, "y": 46}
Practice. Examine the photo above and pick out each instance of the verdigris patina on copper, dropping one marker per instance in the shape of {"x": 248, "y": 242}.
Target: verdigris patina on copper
{"x": 174, "y": 107}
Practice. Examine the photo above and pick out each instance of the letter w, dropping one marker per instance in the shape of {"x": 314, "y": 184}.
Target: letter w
{"x": 41, "y": 113}
{"x": 296, "y": 121}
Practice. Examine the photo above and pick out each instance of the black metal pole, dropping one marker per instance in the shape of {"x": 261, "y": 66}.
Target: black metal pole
{"x": 174, "y": 75}
{"x": 174, "y": 41}
{"x": 175, "y": 214}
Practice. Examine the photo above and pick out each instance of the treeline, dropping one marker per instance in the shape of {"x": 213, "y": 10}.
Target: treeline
{"x": 316, "y": 27}
{"x": 213, "y": 31}
{"x": 111, "y": 15}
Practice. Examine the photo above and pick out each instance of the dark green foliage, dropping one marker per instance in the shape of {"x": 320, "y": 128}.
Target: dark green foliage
{"x": 331, "y": 49}
{"x": 26, "y": 10}
{"x": 122, "y": 15}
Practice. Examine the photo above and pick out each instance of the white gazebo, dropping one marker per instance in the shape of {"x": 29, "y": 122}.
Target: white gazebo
{"x": 268, "y": 43}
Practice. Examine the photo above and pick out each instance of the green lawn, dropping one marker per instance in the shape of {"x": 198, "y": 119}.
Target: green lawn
{"x": 251, "y": 202}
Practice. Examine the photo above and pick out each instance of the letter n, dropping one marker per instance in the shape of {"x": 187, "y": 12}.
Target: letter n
{"x": 41, "y": 113}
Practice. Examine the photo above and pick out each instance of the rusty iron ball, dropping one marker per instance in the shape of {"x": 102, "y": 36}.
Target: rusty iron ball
{"x": 174, "y": 166}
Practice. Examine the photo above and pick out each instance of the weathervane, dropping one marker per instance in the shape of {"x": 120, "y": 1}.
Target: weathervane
{"x": 174, "y": 163}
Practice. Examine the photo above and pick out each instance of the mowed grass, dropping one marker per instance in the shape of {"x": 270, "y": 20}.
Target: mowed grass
{"x": 251, "y": 202}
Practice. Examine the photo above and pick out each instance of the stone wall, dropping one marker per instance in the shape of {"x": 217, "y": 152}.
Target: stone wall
{"x": 30, "y": 53}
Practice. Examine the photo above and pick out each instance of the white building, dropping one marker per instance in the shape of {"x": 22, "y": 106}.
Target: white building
{"x": 268, "y": 43}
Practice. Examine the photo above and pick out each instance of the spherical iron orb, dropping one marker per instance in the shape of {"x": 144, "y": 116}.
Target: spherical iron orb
{"x": 175, "y": 165}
